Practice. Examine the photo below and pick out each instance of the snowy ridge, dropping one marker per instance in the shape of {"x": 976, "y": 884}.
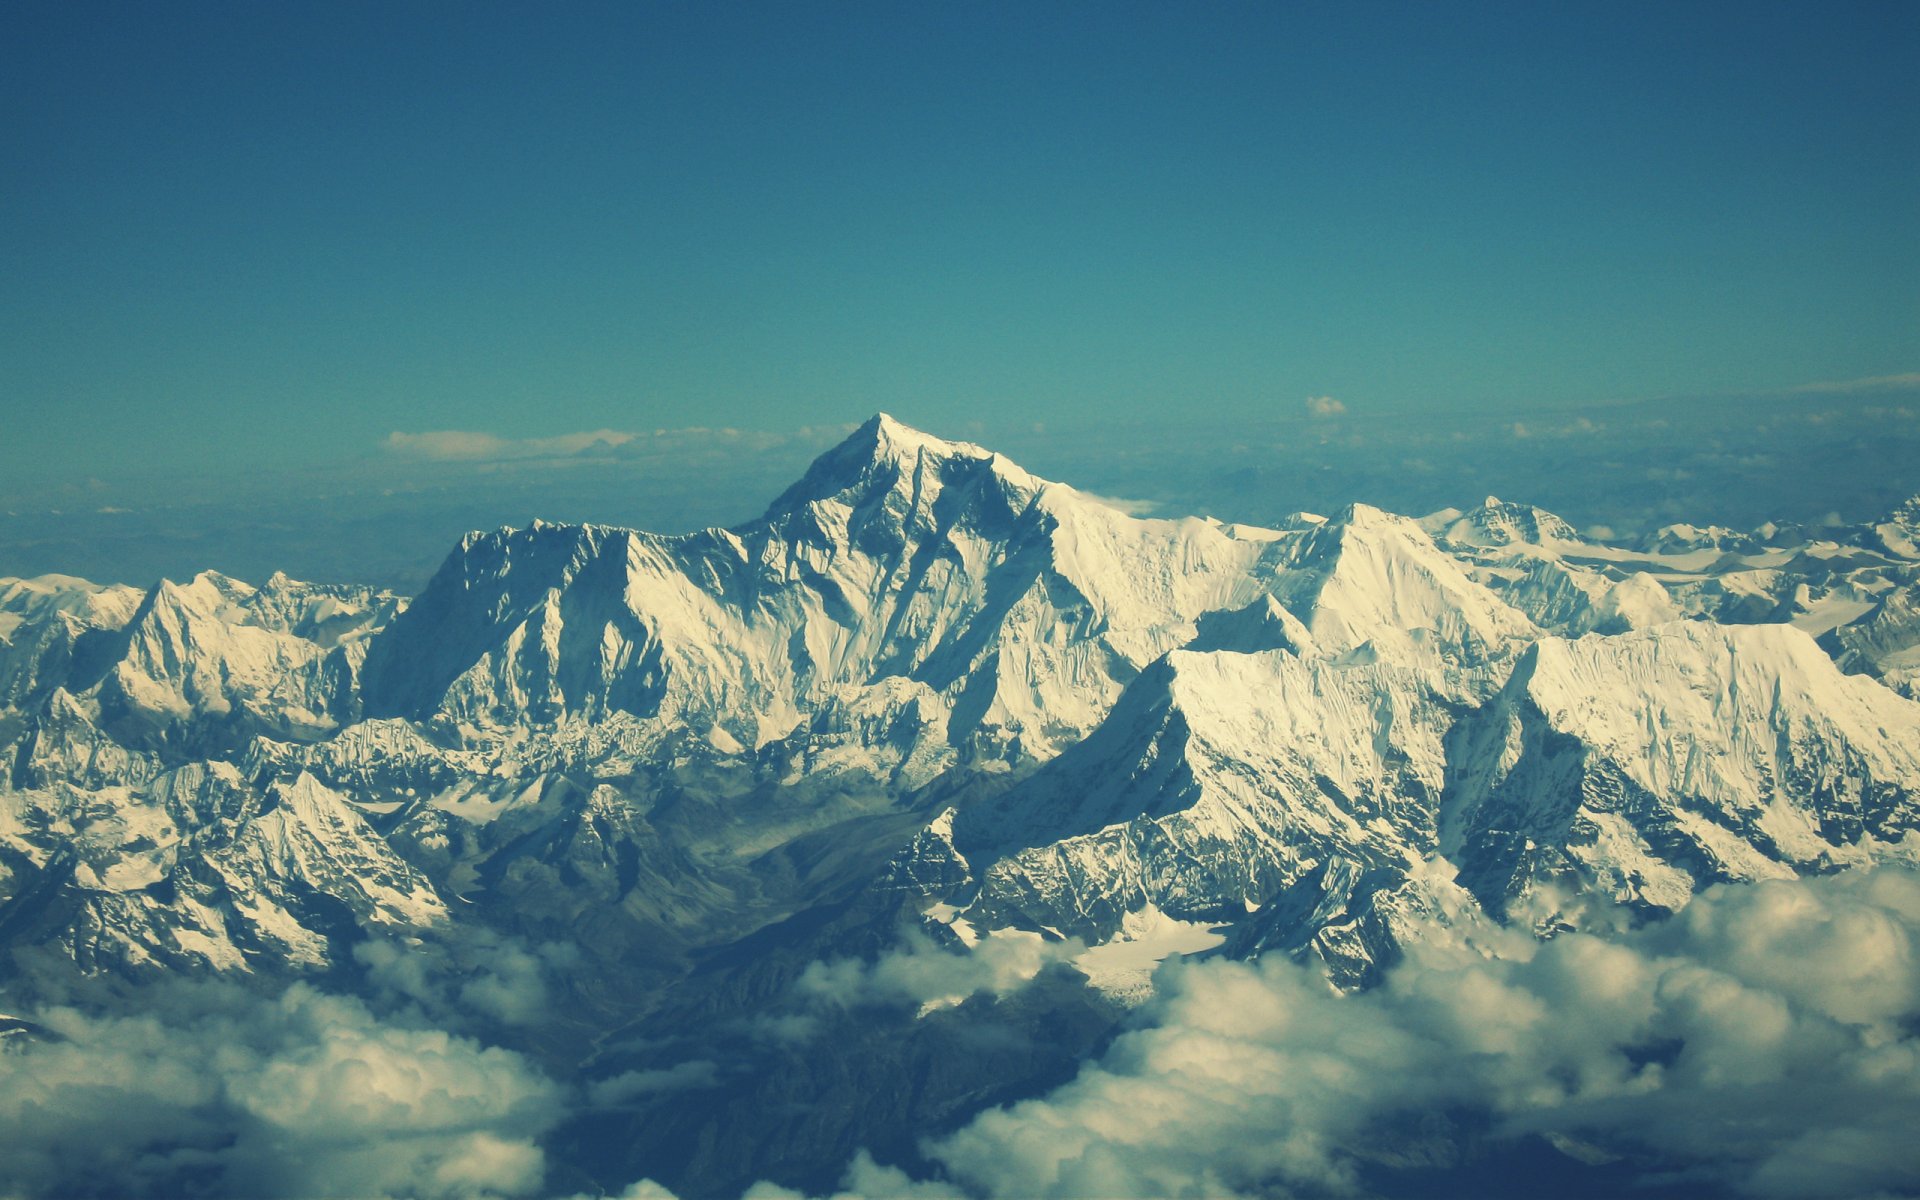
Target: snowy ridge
{"x": 1658, "y": 761}
{"x": 1022, "y": 606}
{"x": 927, "y": 677}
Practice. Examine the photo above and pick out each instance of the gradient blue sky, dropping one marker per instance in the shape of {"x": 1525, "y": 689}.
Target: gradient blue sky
{"x": 273, "y": 234}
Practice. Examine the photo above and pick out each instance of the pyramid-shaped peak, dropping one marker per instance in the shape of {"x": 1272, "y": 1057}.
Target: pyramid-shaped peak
{"x": 885, "y": 435}
{"x": 1365, "y": 516}
{"x": 883, "y": 450}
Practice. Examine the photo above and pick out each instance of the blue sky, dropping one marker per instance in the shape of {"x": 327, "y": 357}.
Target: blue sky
{"x": 275, "y": 234}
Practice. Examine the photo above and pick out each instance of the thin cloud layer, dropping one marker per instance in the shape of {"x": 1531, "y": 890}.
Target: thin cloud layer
{"x": 473, "y": 446}
{"x": 1873, "y": 383}
{"x": 463, "y": 445}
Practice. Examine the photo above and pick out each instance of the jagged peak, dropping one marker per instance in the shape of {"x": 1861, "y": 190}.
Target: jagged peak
{"x": 897, "y": 436}
{"x": 1363, "y": 516}
{"x": 208, "y": 592}
{"x": 1496, "y": 522}
{"x": 1907, "y": 512}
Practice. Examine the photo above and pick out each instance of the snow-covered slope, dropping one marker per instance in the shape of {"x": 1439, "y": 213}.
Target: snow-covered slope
{"x": 927, "y": 677}
{"x": 1021, "y": 607}
{"x": 1649, "y": 764}
{"x": 1219, "y": 781}
{"x": 1372, "y": 586}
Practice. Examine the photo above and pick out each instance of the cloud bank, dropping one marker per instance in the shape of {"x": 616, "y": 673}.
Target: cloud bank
{"x": 1763, "y": 1042}
{"x": 213, "y": 1090}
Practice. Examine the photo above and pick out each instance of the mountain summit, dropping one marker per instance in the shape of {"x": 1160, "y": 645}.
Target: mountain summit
{"x": 626, "y": 785}
{"x": 1016, "y": 607}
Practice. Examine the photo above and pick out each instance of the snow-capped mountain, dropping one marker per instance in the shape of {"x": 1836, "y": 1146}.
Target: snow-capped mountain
{"x": 1643, "y": 766}
{"x": 929, "y": 692}
{"x": 1015, "y": 607}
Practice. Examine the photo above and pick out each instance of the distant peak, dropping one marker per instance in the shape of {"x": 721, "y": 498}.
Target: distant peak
{"x": 882, "y": 451}
{"x": 1366, "y": 516}
{"x": 1490, "y": 502}
{"x": 890, "y": 437}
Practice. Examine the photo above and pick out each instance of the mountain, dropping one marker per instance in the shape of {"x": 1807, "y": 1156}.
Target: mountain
{"x": 928, "y": 705}
{"x": 1645, "y": 766}
{"x": 1015, "y": 607}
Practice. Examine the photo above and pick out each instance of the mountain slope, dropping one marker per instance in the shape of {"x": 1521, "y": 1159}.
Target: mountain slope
{"x": 1020, "y": 605}
{"x": 1649, "y": 764}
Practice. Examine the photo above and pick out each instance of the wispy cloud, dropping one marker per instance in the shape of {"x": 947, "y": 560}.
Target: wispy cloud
{"x": 465, "y": 445}
{"x": 1324, "y": 406}
{"x": 476, "y": 446}
{"x": 923, "y": 973}
{"x": 1133, "y": 508}
{"x": 1578, "y": 427}
{"x": 1872, "y": 383}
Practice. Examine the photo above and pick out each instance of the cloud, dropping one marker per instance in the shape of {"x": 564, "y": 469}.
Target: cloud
{"x": 1578, "y": 427}
{"x": 214, "y": 1090}
{"x": 1872, "y": 383}
{"x": 1324, "y": 406}
{"x": 1762, "y": 1041}
{"x": 473, "y": 446}
{"x": 932, "y": 976}
{"x": 630, "y": 1085}
{"x": 460, "y": 445}
{"x": 466, "y": 974}
{"x": 865, "y": 1180}
{"x": 1132, "y": 508}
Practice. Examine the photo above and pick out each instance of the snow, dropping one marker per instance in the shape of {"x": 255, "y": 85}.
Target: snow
{"x": 1123, "y": 967}
{"x": 1179, "y": 718}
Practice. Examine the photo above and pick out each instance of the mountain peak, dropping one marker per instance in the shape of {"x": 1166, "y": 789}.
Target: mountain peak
{"x": 882, "y": 452}
{"x": 885, "y": 437}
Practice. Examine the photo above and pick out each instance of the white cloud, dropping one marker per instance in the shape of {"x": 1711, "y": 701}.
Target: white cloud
{"x": 1872, "y": 383}
{"x": 473, "y": 446}
{"x": 1132, "y": 508}
{"x": 306, "y": 1095}
{"x": 1324, "y": 406}
{"x": 864, "y": 1180}
{"x": 471, "y": 973}
{"x": 1764, "y": 1039}
{"x": 461, "y": 445}
{"x": 628, "y": 1085}
{"x": 1578, "y": 427}
{"x": 931, "y": 976}
{"x": 645, "y": 1189}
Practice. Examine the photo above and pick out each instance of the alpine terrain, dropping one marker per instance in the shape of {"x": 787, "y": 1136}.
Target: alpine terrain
{"x": 765, "y": 848}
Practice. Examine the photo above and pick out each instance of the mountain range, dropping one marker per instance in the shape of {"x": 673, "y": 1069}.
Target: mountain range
{"x": 638, "y": 804}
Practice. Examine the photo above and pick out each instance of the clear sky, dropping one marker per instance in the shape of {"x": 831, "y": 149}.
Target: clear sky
{"x": 276, "y": 233}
